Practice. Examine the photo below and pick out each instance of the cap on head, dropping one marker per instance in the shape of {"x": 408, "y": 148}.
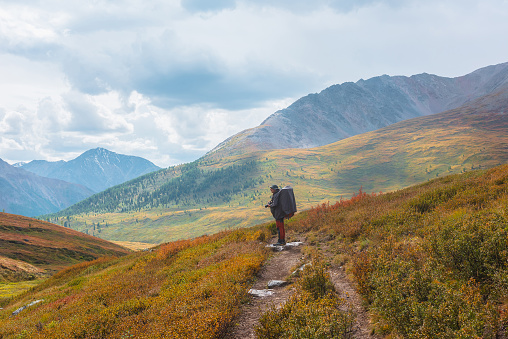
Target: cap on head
{"x": 275, "y": 187}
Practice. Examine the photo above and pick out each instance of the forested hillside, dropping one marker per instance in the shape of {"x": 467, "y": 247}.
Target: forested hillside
{"x": 194, "y": 186}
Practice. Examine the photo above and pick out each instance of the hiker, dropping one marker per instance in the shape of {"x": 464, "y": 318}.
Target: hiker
{"x": 282, "y": 206}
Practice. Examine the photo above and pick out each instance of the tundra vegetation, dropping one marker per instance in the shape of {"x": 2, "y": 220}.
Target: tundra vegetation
{"x": 430, "y": 261}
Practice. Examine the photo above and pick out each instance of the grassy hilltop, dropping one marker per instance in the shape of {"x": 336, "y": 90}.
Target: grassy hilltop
{"x": 220, "y": 190}
{"x": 31, "y": 250}
{"x": 46, "y": 246}
{"x": 431, "y": 261}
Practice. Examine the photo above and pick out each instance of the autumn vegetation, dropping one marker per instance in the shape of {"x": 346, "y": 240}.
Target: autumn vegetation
{"x": 30, "y": 248}
{"x": 430, "y": 261}
{"x": 314, "y": 310}
{"x": 184, "y": 289}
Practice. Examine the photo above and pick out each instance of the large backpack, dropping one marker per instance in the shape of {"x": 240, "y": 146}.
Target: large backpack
{"x": 287, "y": 201}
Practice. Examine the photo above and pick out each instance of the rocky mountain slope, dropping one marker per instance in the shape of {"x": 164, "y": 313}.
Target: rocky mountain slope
{"x": 349, "y": 109}
{"x": 97, "y": 169}
{"x": 25, "y": 193}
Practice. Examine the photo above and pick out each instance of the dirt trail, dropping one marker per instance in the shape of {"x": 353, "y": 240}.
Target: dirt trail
{"x": 362, "y": 326}
{"x": 279, "y": 267}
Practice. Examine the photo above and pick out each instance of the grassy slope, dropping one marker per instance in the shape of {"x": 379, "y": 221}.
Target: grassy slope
{"x": 431, "y": 261}
{"x": 407, "y": 153}
{"x": 186, "y": 289}
{"x": 46, "y": 246}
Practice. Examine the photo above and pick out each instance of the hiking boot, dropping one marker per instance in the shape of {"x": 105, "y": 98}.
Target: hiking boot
{"x": 280, "y": 243}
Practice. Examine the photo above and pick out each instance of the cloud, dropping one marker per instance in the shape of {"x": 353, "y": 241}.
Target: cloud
{"x": 65, "y": 127}
{"x": 26, "y": 31}
{"x": 206, "y": 5}
{"x": 302, "y": 6}
{"x": 90, "y": 116}
{"x": 234, "y": 58}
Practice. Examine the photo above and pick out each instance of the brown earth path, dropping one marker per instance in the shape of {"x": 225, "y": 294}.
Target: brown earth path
{"x": 279, "y": 267}
{"x": 362, "y": 326}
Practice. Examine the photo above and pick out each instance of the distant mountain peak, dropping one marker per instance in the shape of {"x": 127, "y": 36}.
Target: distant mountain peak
{"x": 97, "y": 151}
{"x": 97, "y": 168}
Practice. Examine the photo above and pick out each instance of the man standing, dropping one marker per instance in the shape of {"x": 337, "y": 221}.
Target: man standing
{"x": 282, "y": 205}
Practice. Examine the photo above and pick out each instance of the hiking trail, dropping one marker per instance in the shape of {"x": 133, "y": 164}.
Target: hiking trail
{"x": 279, "y": 267}
{"x": 362, "y": 327}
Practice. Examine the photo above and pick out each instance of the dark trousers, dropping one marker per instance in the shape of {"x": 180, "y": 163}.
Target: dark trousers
{"x": 280, "y": 229}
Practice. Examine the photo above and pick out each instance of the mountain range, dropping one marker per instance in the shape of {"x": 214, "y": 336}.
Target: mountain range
{"x": 42, "y": 187}
{"x": 342, "y": 111}
{"x": 96, "y": 169}
{"x": 26, "y": 193}
{"x": 224, "y": 190}
{"x": 437, "y": 248}
{"x": 387, "y": 134}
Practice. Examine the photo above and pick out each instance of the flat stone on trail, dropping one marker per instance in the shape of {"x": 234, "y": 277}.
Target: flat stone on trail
{"x": 276, "y": 283}
{"x": 261, "y": 293}
{"x": 282, "y": 247}
{"x": 301, "y": 268}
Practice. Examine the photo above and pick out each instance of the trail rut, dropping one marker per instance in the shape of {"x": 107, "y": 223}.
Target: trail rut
{"x": 362, "y": 326}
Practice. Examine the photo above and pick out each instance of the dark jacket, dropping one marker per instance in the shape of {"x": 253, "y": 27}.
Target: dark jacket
{"x": 283, "y": 203}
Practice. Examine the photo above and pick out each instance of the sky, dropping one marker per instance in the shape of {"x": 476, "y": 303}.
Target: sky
{"x": 168, "y": 80}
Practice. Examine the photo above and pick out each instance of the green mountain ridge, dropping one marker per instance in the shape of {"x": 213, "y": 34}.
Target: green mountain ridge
{"x": 221, "y": 191}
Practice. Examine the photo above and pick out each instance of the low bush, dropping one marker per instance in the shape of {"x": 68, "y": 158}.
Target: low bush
{"x": 430, "y": 261}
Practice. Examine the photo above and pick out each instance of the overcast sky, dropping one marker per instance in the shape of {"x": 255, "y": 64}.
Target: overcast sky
{"x": 168, "y": 80}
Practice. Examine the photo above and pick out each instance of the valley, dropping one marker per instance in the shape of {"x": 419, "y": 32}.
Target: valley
{"x": 474, "y": 136}
{"x": 420, "y": 204}
{"x": 239, "y": 169}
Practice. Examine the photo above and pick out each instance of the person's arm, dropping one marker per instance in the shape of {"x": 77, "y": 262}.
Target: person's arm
{"x": 275, "y": 199}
